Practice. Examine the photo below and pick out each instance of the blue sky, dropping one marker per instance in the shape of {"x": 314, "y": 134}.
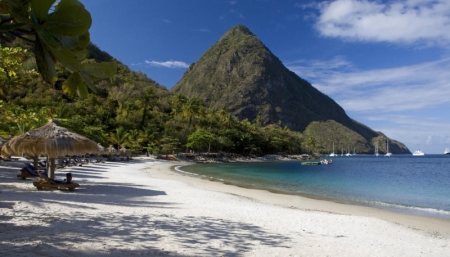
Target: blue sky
{"x": 387, "y": 63}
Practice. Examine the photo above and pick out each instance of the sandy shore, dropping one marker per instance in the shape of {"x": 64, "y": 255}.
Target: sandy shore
{"x": 144, "y": 208}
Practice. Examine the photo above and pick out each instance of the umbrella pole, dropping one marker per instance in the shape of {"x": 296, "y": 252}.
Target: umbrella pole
{"x": 52, "y": 166}
{"x": 35, "y": 163}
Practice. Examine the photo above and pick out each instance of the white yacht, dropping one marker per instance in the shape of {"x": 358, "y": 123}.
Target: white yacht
{"x": 388, "y": 154}
{"x": 348, "y": 152}
{"x": 332, "y": 154}
{"x": 447, "y": 151}
{"x": 418, "y": 153}
{"x": 376, "y": 150}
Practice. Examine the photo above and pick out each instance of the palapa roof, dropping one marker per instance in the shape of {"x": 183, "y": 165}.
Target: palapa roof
{"x": 111, "y": 149}
{"x": 101, "y": 148}
{"x": 124, "y": 152}
{"x": 52, "y": 140}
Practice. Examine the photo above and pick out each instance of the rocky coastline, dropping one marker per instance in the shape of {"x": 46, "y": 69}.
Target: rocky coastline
{"x": 232, "y": 157}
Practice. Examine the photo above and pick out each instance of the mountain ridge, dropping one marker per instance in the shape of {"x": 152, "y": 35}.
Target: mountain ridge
{"x": 240, "y": 73}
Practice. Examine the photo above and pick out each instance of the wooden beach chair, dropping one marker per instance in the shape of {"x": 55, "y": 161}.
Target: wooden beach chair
{"x": 46, "y": 182}
{"x": 28, "y": 172}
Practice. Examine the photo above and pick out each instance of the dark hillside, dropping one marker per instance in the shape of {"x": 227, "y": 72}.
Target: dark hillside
{"x": 240, "y": 73}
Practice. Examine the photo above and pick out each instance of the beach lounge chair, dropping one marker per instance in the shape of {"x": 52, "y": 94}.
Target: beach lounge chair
{"x": 31, "y": 166}
{"x": 27, "y": 172}
{"x": 45, "y": 182}
{"x": 42, "y": 164}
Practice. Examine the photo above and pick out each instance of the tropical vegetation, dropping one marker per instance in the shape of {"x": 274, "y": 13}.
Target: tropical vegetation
{"x": 48, "y": 73}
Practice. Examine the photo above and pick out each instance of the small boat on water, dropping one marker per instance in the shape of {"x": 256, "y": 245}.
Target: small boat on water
{"x": 418, "y": 153}
{"x": 348, "y": 152}
{"x": 332, "y": 154}
{"x": 323, "y": 161}
{"x": 388, "y": 154}
{"x": 311, "y": 163}
{"x": 447, "y": 151}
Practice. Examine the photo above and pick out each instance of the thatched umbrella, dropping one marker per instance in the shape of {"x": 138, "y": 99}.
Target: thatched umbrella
{"x": 51, "y": 140}
{"x": 2, "y": 142}
{"x": 101, "y": 149}
{"x": 111, "y": 150}
{"x": 125, "y": 152}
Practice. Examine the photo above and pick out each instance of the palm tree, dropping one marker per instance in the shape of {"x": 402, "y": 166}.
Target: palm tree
{"x": 134, "y": 140}
{"x": 120, "y": 137}
{"x": 191, "y": 109}
{"x": 228, "y": 120}
{"x": 211, "y": 116}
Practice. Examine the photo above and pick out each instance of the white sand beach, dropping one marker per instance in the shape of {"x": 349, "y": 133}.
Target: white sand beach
{"x": 144, "y": 208}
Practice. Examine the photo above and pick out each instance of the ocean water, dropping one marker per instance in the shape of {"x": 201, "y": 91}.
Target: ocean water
{"x": 402, "y": 183}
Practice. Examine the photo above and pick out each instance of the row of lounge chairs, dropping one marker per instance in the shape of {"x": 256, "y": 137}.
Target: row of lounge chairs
{"x": 29, "y": 171}
{"x": 43, "y": 181}
{"x": 46, "y": 182}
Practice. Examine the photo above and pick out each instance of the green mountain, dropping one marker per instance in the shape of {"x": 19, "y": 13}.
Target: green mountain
{"x": 240, "y": 73}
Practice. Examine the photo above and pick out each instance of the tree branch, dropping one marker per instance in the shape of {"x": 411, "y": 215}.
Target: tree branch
{"x": 5, "y": 39}
{"x": 27, "y": 32}
{"x": 21, "y": 37}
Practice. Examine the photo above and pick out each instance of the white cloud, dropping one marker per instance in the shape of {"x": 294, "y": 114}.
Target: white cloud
{"x": 168, "y": 64}
{"x": 398, "y": 21}
{"x": 414, "y": 87}
{"x": 203, "y": 30}
{"x": 408, "y": 103}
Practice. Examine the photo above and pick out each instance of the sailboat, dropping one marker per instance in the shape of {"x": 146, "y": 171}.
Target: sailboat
{"x": 388, "y": 154}
{"x": 348, "y": 152}
{"x": 332, "y": 154}
{"x": 376, "y": 150}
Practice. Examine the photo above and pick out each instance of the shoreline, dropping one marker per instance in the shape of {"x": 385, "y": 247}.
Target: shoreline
{"x": 146, "y": 208}
{"x": 430, "y": 224}
{"x": 415, "y": 211}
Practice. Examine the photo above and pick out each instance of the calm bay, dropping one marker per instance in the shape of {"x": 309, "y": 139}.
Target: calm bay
{"x": 401, "y": 183}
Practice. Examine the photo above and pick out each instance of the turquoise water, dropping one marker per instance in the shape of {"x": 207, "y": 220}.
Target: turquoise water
{"x": 418, "y": 185}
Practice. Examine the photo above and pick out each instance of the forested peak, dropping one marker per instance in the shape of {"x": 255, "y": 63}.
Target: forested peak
{"x": 97, "y": 54}
{"x": 238, "y": 30}
{"x": 237, "y": 37}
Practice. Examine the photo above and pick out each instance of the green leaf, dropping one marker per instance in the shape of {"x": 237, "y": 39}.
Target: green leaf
{"x": 69, "y": 19}
{"x": 82, "y": 91}
{"x": 14, "y": 3}
{"x": 66, "y": 58}
{"x": 100, "y": 70}
{"x": 88, "y": 80}
{"x": 68, "y": 42}
{"x": 75, "y": 84}
{"x": 47, "y": 37}
{"x": 71, "y": 84}
{"x": 10, "y": 26}
{"x": 44, "y": 61}
{"x": 20, "y": 15}
{"x": 40, "y": 8}
{"x": 83, "y": 41}
{"x": 81, "y": 55}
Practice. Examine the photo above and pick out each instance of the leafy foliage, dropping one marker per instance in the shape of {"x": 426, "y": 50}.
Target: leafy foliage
{"x": 59, "y": 33}
{"x": 129, "y": 109}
